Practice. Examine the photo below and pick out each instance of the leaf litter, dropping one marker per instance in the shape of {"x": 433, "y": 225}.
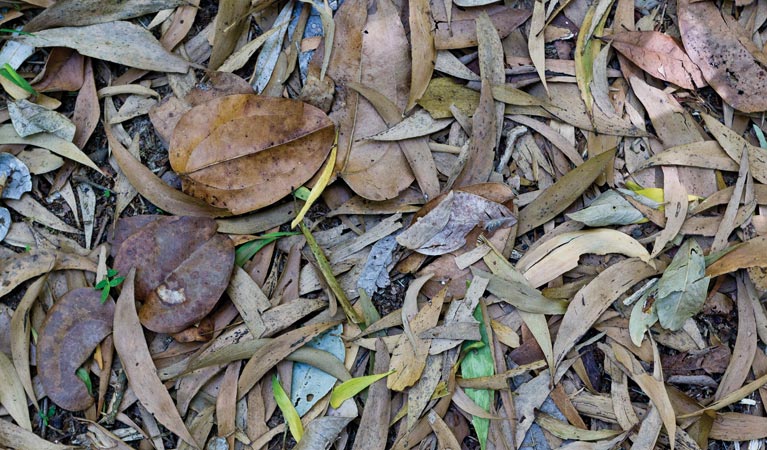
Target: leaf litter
{"x": 543, "y": 223}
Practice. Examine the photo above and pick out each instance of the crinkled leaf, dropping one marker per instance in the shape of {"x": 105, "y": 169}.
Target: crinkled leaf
{"x": 682, "y": 288}
{"x": 29, "y": 118}
{"x": 444, "y": 228}
{"x": 16, "y": 177}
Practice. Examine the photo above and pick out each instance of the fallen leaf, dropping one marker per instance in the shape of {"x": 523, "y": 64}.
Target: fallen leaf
{"x": 462, "y": 33}
{"x": 87, "y": 12}
{"x": 16, "y": 437}
{"x": 610, "y": 208}
{"x": 119, "y": 42}
{"x": 423, "y": 51}
{"x": 372, "y": 432}
{"x": 28, "y": 118}
{"x": 321, "y": 432}
{"x": 683, "y": 287}
{"x": 182, "y": 268}
{"x": 288, "y": 410}
{"x": 215, "y": 151}
{"x": 139, "y": 367}
{"x": 64, "y": 71}
{"x": 73, "y": 328}
{"x": 310, "y": 384}
{"x": 48, "y": 141}
{"x": 562, "y": 193}
{"x": 229, "y": 27}
{"x": 154, "y": 189}
{"x": 745, "y": 344}
{"x": 12, "y": 395}
{"x": 561, "y": 253}
{"x": 660, "y": 55}
{"x": 15, "y": 178}
{"x": 535, "y": 40}
{"x": 725, "y": 55}
{"x": 445, "y": 227}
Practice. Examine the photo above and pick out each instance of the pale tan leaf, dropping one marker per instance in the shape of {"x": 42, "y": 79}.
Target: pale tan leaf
{"x": 27, "y": 206}
{"x": 139, "y": 367}
{"x": 536, "y": 41}
{"x": 675, "y": 195}
{"x": 16, "y": 437}
{"x": 119, "y": 42}
{"x": 48, "y": 141}
{"x": 12, "y": 395}
{"x": 423, "y": 52}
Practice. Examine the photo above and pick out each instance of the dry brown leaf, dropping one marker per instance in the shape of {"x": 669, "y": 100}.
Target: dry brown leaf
{"x": 536, "y": 42}
{"x": 182, "y": 267}
{"x": 752, "y": 253}
{"x": 216, "y": 151}
{"x": 87, "y": 12}
{"x": 64, "y": 71}
{"x": 479, "y": 164}
{"x": 707, "y": 155}
{"x": 139, "y": 367}
{"x": 372, "y": 431}
{"x": 728, "y": 59}
{"x": 23, "y": 266}
{"x": 119, "y": 42}
{"x": 12, "y": 395}
{"x": 229, "y": 26}
{"x": 660, "y": 55}
{"x": 562, "y": 193}
{"x": 675, "y": 195}
{"x": 461, "y": 33}
{"x": 593, "y": 300}
{"x": 383, "y": 66}
{"x": 75, "y": 325}
{"x": 745, "y": 345}
{"x": 423, "y": 52}
{"x": 268, "y": 356}
{"x": 20, "y": 332}
{"x": 732, "y": 426}
{"x": 734, "y": 145}
{"x": 154, "y": 189}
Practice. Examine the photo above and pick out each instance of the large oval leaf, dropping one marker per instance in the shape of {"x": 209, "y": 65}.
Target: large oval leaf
{"x": 72, "y": 329}
{"x": 244, "y": 152}
{"x": 182, "y": 267}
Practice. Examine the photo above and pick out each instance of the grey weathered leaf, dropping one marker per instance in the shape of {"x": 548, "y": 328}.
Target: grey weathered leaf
{"x": 119, "y": 42}
{"x": 375, "y": 273}
{"x": 682, "y": 288}
{"x": 643, "y": 315}
{"x": 87, "y": 12}
{"x": 29, "y": 118}
{"x": 309, "y": 383}
{"x": 321, "y": 432}
{"x": 14, "y": 177}
{"x": 5, "y": 222}
{"x": 609, "y": 208}
{"x": 444, "y": 228}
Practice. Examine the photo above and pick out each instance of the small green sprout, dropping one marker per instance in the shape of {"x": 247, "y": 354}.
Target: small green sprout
{"x": 107, "y": 283}
{"x": 83, "y": 375}
{"x": 46, "y": 416}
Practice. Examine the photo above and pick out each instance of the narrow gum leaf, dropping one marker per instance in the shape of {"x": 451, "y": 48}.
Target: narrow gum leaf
{"x": 288, "y": 411}
{"x": 349, "y": 389}
{"x": 322, "y": 182}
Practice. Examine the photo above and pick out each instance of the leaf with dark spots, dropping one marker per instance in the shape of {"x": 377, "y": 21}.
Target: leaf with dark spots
{"x": 72, "y": 329}
{"x": 182, "y": 267}
{"x": 226, "y": 161}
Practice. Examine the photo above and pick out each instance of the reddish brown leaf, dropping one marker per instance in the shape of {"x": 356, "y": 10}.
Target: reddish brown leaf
{"x": 71, "y": 331}
{"x": 660, "y": 55}
{"x": 727, "y": 57}
{"x": 64, "y": 71}
{"x": 217, "y": 150}
{"x": 182, "y": 268}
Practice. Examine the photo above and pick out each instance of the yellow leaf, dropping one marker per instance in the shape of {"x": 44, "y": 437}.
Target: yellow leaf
{"x": 320, "y": 186}
{"x": 349, "y": 389}
{"x": 288, "y": 410}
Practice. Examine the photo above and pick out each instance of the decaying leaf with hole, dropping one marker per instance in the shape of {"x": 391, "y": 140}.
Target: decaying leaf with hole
{"x": 14, "y": 177}
{"x": 444, "y": 228}
{"x": 72, "y": 329}
{"x": 182, "y": 267}
{"x": 217, "y": 150}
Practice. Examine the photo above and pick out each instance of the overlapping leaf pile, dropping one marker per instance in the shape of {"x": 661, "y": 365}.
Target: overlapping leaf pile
{"x": 522, "y": 225}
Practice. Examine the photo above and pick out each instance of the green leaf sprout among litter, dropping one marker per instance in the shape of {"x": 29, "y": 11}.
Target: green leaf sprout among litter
{"x": 249, "y": 249}
{"x": 83, "y": 375}
{"x": 288, "y": 410}
{"x": 107, "y": 283}
{"x": 46, "y": 416}
{"x": 302, "y": 193}
{"x": 8, "y": 72}
{"x": 349, "y": 389}
{"x": 478, "y": 362}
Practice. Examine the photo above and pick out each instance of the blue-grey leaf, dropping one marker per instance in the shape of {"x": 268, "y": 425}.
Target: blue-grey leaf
{"x": 375, "y": 273}
{"x": 309, "y": 383}
{"x": 15, "y": 175}
{"x": 5, "y": 222}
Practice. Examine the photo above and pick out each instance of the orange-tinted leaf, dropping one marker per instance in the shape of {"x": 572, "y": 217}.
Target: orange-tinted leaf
{"x": 660, "y": 55}
{"x": 71, "y": 331}
{"x": 217, "y": 150}
{"x": 729, "y": 61}
{"x": 64, "y": 71}
{"x": 182, "y": 267}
